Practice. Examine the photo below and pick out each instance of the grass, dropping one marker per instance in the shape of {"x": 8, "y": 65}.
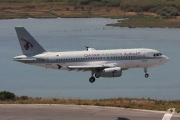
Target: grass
{"x": 52, "y": 10}
{"x": 135, "y": 103}
{"x": 143, "y": 21}
{"x": 7, "y": 97}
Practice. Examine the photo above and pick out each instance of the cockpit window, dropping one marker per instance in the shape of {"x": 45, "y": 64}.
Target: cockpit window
{"x": 157, "y": 54}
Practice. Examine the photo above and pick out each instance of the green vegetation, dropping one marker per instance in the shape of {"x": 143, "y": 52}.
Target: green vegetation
{"x": 168, "y": 12}
{"x": 143, "y": 21}
{"x": 148, "y": 5}
{"x": 148, "y": 104}
{"x": 114, "y": 3}
{"x": 5, "y": 95}
{"x": 127, "y": 5}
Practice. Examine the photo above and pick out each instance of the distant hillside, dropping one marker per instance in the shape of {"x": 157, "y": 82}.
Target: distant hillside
{"x": 165, "y": 8}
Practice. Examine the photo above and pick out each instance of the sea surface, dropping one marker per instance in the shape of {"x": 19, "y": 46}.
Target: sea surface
{"x": 72, "y": 34}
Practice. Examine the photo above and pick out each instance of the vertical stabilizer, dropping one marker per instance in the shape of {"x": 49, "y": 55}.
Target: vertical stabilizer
{"x": 28, "y": 44}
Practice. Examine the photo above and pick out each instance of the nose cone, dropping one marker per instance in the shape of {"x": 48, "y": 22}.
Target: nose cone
{"x": 165, "y": 60}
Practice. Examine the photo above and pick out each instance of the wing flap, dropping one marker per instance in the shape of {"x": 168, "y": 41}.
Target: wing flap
{"x": 93, "y": 66}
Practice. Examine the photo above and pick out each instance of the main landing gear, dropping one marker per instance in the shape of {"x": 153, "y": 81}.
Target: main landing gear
{"x": 92, "y": 78}
{"x": 146, "y": 74}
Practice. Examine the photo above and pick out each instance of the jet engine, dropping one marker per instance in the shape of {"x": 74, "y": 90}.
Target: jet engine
{"x": 110, "y": 72}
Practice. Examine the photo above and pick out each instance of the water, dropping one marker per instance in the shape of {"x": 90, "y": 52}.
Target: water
{"x": 64, "y": 34}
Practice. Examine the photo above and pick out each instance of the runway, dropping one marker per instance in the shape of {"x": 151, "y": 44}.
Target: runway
{"x": 76, "y": 112}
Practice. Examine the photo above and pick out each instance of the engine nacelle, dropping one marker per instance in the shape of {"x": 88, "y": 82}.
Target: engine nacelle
{"x": 111, "y": 72}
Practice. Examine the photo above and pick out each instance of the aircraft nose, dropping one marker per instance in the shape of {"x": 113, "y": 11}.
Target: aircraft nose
{"x": 165, "y": 59}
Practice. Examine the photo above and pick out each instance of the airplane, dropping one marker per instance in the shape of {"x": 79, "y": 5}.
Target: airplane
{"x": 101, "y": 63}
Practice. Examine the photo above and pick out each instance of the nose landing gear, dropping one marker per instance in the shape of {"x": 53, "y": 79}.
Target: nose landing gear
{"x": 146, "y": 74}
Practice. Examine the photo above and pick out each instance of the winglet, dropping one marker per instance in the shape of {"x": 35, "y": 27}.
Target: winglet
{"x": 89, "y": 49}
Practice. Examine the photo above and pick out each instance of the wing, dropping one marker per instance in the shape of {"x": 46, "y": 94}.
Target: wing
{"x": 94, "y": 66}
{"x": 91, "y": 67}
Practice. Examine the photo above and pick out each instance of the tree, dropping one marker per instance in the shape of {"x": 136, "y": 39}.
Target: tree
{"x": 5, "y": 95}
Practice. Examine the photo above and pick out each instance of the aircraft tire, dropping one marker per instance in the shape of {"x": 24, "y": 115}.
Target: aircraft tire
{"x": 92, "y": 79}
{"x": 146, "y": 75}
{"x": 97, "y": 76}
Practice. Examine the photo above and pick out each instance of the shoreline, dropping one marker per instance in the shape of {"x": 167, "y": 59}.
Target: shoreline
{"x": 129, "y": 23}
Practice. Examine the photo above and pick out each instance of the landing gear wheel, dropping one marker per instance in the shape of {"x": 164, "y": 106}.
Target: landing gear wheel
{"x": 145, "y": 71}
{"x": 146, "y": 75}
{"x": 97, "y": 76}
{"x": 92, "y": 79}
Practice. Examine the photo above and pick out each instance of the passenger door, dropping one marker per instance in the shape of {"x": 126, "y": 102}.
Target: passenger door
{"x": 48, "y": 62}
{"x": 144, "y": 56}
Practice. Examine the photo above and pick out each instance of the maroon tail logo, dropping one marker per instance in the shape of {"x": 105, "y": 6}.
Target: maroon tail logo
{"x": 27, "y": 44}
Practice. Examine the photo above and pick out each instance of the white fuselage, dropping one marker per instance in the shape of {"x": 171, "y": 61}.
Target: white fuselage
{"x": 124, "y": 58}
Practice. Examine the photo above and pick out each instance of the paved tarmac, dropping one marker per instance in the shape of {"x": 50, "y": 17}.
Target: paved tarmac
{"x": 75, "y": 112}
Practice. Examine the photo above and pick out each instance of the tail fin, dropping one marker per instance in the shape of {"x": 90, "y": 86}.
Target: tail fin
{"x": 28, "y": 44}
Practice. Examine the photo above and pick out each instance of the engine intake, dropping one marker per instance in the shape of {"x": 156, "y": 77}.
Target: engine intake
{"x": 111, "y": 72}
